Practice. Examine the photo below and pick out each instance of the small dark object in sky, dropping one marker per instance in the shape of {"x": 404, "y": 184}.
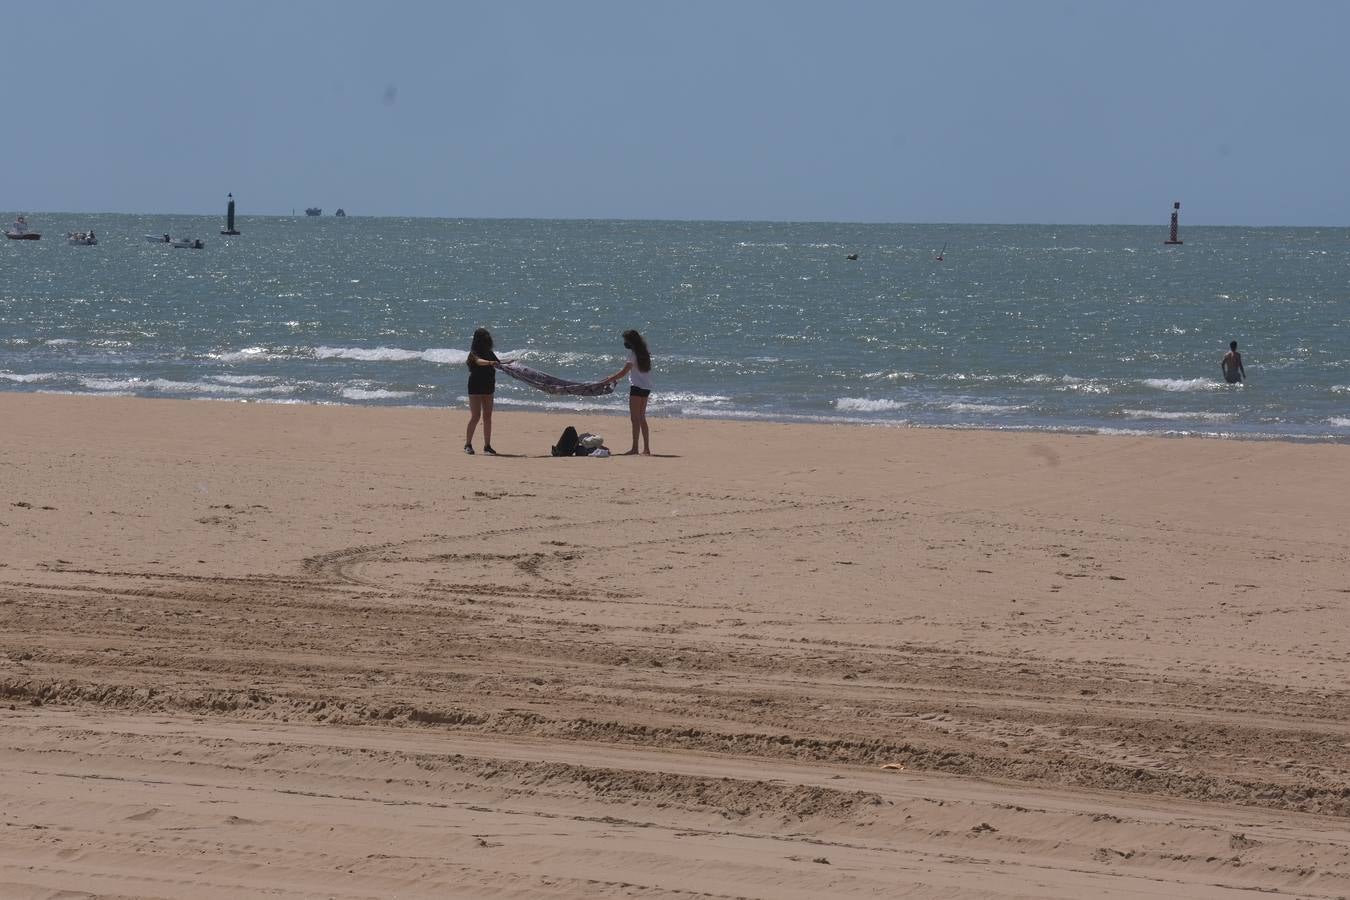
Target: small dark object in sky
{"x": 390, "y": 94}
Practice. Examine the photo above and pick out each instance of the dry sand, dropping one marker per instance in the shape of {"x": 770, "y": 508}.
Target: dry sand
{"x": 295, "y": 651}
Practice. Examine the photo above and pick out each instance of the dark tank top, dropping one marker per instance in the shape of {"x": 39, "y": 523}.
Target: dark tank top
{"x": 482, "y": 379}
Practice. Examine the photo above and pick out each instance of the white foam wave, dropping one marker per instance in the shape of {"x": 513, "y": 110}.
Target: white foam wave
{"x": 242, "y": 379}
{"x": 60, "y": 342}
{"x": 31, "y": 377}
{"x": 375, "y": 394}
{"x": 167, "y": 386}
{"x": 864, "y": 404}
{"x": 1166, "y": 415}
{"x": 1339, "y": 421}
{"x": 393, "y": 354}
{"x": 960, "y": 406}
{"x": 248, "y": 354}
{"x": 1340, "y": 388}
{"x": 679, "y": 397}
{"x": 1184, "y": 384}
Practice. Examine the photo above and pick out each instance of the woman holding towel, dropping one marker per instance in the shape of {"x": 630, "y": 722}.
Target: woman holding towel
{"x": 638, "y": 368}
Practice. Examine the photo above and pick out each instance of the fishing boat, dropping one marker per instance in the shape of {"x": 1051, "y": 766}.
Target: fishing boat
{"x": 81, "y": 238}
{"x": 313, "y": 211}
{"x": 159, "y": 238}
{"x": 19, "y": 231}
{"x": 229, "y": 218}
{"x": 189, "y": 243}
{"x": 341, "y": 213}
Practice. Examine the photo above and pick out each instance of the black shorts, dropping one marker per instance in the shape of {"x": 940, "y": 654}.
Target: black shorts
{"x": 635, "y": 391}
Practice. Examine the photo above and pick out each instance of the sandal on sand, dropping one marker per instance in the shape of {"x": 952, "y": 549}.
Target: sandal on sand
{"x": 468, "y": 448}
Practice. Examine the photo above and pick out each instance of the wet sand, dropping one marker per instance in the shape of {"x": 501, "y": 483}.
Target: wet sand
{"x": 319, "y": 652}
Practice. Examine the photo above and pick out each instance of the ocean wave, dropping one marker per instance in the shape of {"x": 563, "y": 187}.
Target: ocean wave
{"x": 31, "y": 377}
{"x": 996, "y": 408}
{"x": 864, "y": 404}
{"x": 243, "y": 379}
{"x": 1184, "y": 384}
{"x": 1339, "y": 421}
{"x": 680, "y": 397}
{"x": 167, "y": 386}
{"x": 1169, "y": 416}
{"x": 1340, "y": 388}
{"x": 439, "y": 355}
{"x": 248, "y": 354}
{"x": 370, "y": 354}
{"x": 351, "y": 393}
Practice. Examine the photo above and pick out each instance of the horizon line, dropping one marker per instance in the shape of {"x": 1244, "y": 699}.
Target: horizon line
{"x": 1163, "y": 224}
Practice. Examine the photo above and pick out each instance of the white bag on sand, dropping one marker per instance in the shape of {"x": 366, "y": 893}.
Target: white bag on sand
{"x": 601, "y": 453}
{"x": 590, "y": 441}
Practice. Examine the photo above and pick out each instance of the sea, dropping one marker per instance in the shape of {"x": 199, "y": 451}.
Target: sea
{"x": 1092, "y": 329}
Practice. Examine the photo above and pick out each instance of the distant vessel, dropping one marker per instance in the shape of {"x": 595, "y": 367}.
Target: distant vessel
{"x": 313, "y": 211}
{"x": 19, "y": 231}
{"x": 229, "y": 217}
{"x": 189, "y": 243}
{"x": 341, "y": 212}
{"x": 82, "y": 238}
{"x": 1172, "y": 236}
{"x": 941, "y": 254}
{"x": 158, "y": 238}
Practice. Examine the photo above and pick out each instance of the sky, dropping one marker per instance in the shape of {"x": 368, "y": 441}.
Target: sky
{"x": 1005, "y": 112}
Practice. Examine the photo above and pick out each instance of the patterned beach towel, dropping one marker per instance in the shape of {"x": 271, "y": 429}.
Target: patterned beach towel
{"x": 552, "y": 384}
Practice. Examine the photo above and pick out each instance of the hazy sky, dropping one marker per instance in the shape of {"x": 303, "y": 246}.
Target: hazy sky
{"x": 1013, "y": 111}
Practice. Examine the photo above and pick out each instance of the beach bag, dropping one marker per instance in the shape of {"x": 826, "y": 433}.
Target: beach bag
{"x": 567, "y": 444}
{"x": 590, "y": 441}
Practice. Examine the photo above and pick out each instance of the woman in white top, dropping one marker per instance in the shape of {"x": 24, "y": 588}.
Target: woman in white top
{"x": 638, "y": 368}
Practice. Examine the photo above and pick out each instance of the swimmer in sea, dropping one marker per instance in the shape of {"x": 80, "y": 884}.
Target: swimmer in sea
{"x": 1232, "y": 365}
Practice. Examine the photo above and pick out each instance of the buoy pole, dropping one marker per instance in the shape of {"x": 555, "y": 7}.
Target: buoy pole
{"x": 1172, "y": 235}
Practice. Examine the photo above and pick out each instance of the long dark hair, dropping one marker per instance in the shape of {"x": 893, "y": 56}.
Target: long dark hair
{"x": 633, "y": 341}
{"x": 482, "y": 342}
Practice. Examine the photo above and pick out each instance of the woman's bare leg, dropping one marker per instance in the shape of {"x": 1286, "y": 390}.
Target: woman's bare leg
{"x": 475, "y": 413}
{"x": 636, "y": 405}
{"x": 646, "y": 435}
{"x": 487, "y": 420}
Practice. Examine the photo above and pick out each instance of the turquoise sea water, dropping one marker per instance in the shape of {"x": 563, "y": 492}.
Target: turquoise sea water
{"x": 1094, "y": 328}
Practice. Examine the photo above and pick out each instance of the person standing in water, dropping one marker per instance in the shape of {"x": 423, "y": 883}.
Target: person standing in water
{"x": 482, "y": 364}
{"x": 1232, "y": 365}
{"x": 638, "y": 368}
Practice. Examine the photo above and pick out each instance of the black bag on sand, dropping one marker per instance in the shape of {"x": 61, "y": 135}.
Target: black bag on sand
{"x": 567, "y": 444}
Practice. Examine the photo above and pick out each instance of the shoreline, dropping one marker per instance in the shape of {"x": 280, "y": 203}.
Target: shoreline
{"x": 791, "y": 419}
{"x": 320, "y": 651}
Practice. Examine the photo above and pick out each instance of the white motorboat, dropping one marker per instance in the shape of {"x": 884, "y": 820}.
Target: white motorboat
{"x": 189, "y": 243}
{"x": 19, "y": 231}
{"x": 158, "y": 238}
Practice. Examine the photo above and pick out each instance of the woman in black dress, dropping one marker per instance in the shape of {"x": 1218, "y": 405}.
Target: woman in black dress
{"x": 482, "y": 382}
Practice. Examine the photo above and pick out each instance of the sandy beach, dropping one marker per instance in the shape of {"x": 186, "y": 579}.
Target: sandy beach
{"x": 317, "y": 651}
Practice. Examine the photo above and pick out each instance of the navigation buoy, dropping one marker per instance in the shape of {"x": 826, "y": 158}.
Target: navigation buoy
{"x": 229, "y": 217}
{"x": 1172, "y": 235}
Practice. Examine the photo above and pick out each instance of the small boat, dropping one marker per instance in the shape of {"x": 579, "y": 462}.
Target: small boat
{"x": 313, "y": 211}
{"x": 19, "y": 231}
{"x": 341, "y": 212}
{"x": 189, "y": 243}
{"x": 229, "y": 218}
{"x": 82, "y": 238}
{"x": 158, "y": 238}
